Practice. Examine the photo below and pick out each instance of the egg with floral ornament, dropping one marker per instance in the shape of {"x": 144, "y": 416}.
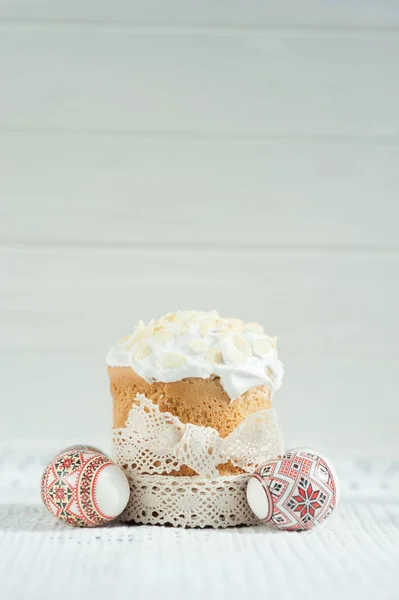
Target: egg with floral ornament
{"x": 294, "y": 492}
{"x": 84, "y": 487}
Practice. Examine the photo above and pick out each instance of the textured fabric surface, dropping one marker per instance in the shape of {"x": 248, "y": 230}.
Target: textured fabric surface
{"x": 355, "y": 554}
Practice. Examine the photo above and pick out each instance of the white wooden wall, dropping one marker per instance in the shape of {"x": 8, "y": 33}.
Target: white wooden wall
{"x": 240, "y": 155}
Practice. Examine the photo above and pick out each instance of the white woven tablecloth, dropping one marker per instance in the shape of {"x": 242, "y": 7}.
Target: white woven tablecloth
{"x": 354, "y": 555}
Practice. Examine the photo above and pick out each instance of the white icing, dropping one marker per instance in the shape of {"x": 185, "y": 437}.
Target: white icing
{"x": 237, "y": 361}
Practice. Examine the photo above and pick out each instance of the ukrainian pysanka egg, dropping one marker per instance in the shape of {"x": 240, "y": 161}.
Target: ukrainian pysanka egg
{"x": 84, "y": 488}
{"x": 294, "y": 492}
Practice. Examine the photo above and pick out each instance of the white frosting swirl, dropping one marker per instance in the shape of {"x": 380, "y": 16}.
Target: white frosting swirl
{"x": 198, "y": 344}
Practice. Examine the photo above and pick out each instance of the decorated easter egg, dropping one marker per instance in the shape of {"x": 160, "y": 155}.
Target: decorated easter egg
{"x": 295, "y": 491}
{"x": 84, "y": 488}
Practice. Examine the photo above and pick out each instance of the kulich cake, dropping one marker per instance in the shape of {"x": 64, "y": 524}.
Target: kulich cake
{"x": 198, "y": 382}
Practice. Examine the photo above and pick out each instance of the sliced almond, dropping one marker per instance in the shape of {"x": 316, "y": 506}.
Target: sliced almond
{"x": 255, "y": 328}
{"x": 205, "y": 325}
{"x": 242, "y": 345}
{"x": 175, "y": 317}
{"x": 169, "y": 360}
{"x": 164, "y": 336}
{"x": 123, "y": 340}
{"x": 193, "y": 320}
{"x": 143, "y": 333}
{"x": 182, "y": 315}
{"x": 208, "y": 322}
{"x": 214, "y": 355}
{"x": 198, "y": 346}
{"x": 142, "y": 350}
{"x": 235, "y": 324}
{"x": 222, "y": 334}
{"x": 269, "y": 372}
{"x": 130, "y": 343}
{"x": 187, "y": 314}
{"x": 168, "y": 317}
{"x": 213, "y": 314}
{"x": 182, "y": 329}
{"x": 233, "y": 355}
{"x": 261, "y": 346}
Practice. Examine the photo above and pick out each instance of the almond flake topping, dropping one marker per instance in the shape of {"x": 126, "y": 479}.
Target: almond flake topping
{"x": 198, "y": 346}
{"x": 164, "y": 336}
{"x": 214, "y": 355}
{"x": 242, "y": 344}
{"x": 142, "y": 350}
{"x": 170, "y": 360}
{"x": 254, "y": 327}
{"x": 261, "y": 346}
{"x": 235, "y": 356}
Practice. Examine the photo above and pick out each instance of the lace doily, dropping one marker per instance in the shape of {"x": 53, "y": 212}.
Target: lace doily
{"x": 158, "y": 442}
{"x": 153, "y": 444}
{"x": 188, "y": 501}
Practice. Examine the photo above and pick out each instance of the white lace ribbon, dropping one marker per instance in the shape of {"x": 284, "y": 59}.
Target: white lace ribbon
{"x": 188, "y": 501}
{"x": 159, "y": 442}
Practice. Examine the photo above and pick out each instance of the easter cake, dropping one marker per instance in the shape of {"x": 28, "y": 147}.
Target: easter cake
{"x": 193, "y": 417}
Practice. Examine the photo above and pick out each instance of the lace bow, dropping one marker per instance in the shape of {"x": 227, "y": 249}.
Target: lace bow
{"x": 252, "y": 443}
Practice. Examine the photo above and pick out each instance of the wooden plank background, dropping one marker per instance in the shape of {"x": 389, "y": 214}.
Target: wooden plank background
{"x": 236, "y": 155}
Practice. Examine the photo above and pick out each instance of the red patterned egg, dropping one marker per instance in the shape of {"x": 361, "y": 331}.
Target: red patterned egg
{"x": 84, "y": 488}
{"x": 294, "y": 492}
